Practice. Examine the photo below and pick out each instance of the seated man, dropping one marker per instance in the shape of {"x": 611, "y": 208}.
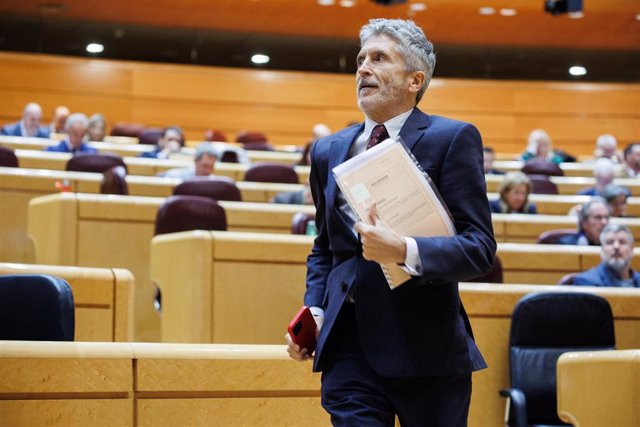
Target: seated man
{"x": 616, "y": 196}
{"x": 593, "y": 217}
{"x": 171, "y": 141}
{"x": 60, "y": 116}
{"x": 607, "y": 148}
{"x": 75, "y": 127}
{"x": 29, "y": 125}
{"x": 615, "y": 268}
{"x": 631, "y": 160}
{"x": 488, "y": 157}
{"x": 204, "y": 163}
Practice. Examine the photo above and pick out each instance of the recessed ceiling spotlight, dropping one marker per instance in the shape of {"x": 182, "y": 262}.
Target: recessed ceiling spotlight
{"x": 417, "y": 7}
{"x": 95, "y": 48}
{"x": 260, "y": 58}
{"x": 487, "y": 10}
{"x": 577, "y": 70}
{"x": 508, "y": 12}
{"x": 326, "y": 2}
{"x": 576, "y": 15}
{"x": 638, "y": 17}
{"x": 347, "y": 3}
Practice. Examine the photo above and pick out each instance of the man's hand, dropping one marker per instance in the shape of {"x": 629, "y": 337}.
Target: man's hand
{"x": 379, "y": 242}
{"x": 294, "y": 350}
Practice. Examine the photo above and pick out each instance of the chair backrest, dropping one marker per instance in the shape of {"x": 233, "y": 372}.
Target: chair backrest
{"x": 300, "y": 221}
{"x": 251, "y": 137}
{"x": 257, "y": 146}
{"x": 36, "y": 307}
{"x": 545, "y": 325}
{"x": 271, "y": 172}
{"x": 97, "y": 163}
{"x": 494, "y": 275}
{"x": 183, "y": 213}
{"x": 215, "y": 135}
{"x": 8, "y": 158}
{"x": 567, "y": 279}
{"x": 219, "y": 188}
{"x": 542, "y": 185}
{"x": 537, "y": 167}
{"x": 114, "y": 181}
{"x": 229, "y": 156}
{"x": 150, "y": 136}
{"x": 127, "y": 129}
{"x": 551, "y": 237}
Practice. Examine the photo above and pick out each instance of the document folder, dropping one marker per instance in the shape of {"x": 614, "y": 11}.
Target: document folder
{"x": 405, "y": 197}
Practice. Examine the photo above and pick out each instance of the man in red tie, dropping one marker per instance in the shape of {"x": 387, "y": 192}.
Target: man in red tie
{"x": 408, "y": 351}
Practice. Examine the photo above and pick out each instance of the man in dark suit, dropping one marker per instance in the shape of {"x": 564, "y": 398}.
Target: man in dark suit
{"x": 409, "y": 351}
{"x": 29, "y": 125}
{"x": 75, "y": 128}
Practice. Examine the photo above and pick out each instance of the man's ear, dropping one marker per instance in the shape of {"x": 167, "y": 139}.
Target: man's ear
{"x": 417, "y": 81}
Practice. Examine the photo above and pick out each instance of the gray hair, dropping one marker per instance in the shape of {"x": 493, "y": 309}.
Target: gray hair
{"x": 615, "y": 228}
{"x": 414, "y": 46}
{"x": 603, "y": 167}
{"x": 584, "y": 212}
{"x": 76, "y": 118}
{"x": 96, "y": 118}
{"x": 606, "y": 139}
{"x": 206, "y": 149}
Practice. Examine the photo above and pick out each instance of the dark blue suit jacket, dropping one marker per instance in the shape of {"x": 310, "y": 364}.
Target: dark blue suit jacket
{"x": 13, "y": 129}
{"x": 63, "y": 148}
{"x": 419, "y": 328}
{"x": 602, "y": 276}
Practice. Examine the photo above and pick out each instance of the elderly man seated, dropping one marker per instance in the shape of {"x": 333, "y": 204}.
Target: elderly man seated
{"x": 29, "y": 125}
{"x": 75, "y": 127}
{"x": 615, "y": 268}
{"x": 203, "y": 165}
{"x": 592, "y": 218}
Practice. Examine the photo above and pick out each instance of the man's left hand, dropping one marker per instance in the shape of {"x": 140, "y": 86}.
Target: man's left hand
{"x": 379, "y": 242}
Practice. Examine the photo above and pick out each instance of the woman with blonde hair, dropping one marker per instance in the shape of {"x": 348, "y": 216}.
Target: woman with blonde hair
{"x": 514, "y": 195}
{"x": 539, "y": 147}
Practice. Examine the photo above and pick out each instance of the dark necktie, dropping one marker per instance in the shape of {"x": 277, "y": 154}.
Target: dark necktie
{"x": 378, "y": 134}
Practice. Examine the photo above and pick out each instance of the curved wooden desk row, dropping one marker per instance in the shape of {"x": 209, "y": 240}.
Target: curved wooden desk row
{"x": 136, "y": 384}
{"x": 599, "y": 388}
{"x": 118, "y": 147}
{"x": 103, "y": 299}
{"x": 205, "y": 278}
{"x": 584, "y": 169}
{"x": 568, "y": 185}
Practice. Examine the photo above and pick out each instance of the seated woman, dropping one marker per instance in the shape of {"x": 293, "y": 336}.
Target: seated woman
{"x": 539, "y": 148}
{"x": 171, "y": 141}
{"x": 514, "y": 195}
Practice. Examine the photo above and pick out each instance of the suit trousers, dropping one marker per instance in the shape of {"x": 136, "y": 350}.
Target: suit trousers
{"x": 354, "y": 395}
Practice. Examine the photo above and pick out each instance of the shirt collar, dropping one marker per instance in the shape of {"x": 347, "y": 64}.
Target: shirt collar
{"x": 393, "y": 125}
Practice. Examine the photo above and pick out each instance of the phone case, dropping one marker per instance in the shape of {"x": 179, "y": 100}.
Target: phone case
{"x": 302, "y": 329}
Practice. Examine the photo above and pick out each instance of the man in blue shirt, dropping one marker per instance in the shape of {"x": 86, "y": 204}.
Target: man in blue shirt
{"x": 616, "y": 253}
{"x": 29, "y": 125}
{"x": 75, "y": 128}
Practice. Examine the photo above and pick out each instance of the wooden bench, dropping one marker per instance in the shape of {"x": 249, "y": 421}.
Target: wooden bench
{"x": 18, "y": 186}
{"x": 134, "y": 149}
{"x": 569, "y": 185}
{"x": 599, "y": 388}
{"x": 205, "y": 278}
{"x": 103, "y": 299}
{"x": 140, "y": 166}
{"x": 135, "y": 384}
{"x": 94, "y": 230}
{"x": 580, "y": 169}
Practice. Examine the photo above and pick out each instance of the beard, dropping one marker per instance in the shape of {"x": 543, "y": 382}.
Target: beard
{"x": 618, "y": 264}
{"x": 385, "y": 96}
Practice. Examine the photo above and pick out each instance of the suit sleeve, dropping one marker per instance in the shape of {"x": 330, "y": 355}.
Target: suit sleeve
{"x": 471, "y": 251}
{"x": 320, "y": 260}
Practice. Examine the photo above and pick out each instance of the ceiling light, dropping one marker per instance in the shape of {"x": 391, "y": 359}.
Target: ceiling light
{"x": 417, "y": 7}
{"x": 95, "y": 48}
{"x": 638, "y": 17}
{"x": 259, "y": 58}
{"x": 326, "y": 2}
{"x": 575, "y": 15}
{"x": 486, "y": 10}
{"x": 577, "y": 70}
{"x": 347, "y": 3}
{"x": 508, "y": 12}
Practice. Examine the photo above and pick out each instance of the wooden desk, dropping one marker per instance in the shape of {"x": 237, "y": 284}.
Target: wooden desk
{"x": 94, "y": 230}
{"x": 103, "y": 299}
{"x": 135, "y": 384}
{"x": 569, "y": 185}
{"x": 599, "y": 388}
{"x": 204, "y": 282}
{"x": 19, "y": 185}
{"x": 580, "y": 169}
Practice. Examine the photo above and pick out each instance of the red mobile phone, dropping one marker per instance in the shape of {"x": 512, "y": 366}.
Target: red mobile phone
{"x": 302, "y": 329}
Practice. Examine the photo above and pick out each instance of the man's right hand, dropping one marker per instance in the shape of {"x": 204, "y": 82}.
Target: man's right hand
{"x": 294, "y": 350}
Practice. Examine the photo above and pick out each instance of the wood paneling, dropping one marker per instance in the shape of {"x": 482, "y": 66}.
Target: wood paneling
{"x": 286, "y": 105}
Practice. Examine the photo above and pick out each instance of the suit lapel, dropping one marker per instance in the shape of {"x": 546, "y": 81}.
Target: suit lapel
{"x": 413, "y": 128}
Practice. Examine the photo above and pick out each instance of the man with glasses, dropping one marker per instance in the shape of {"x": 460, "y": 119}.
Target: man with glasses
{"x": 592, "y": 219}
{"x": 615, "y": 268}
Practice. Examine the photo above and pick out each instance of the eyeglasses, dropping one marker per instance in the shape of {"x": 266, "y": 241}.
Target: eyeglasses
{"x": 599, "y": 217}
